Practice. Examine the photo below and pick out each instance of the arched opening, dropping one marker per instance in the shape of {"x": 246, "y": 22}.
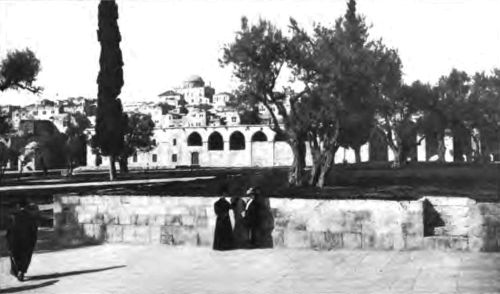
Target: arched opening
{"x": 194, "y": 139}
{"x": 215, "y": 142}
{"x": 279, "y": 137}
{"x": 237, "y": 141}
{"x": 259, "y": 137}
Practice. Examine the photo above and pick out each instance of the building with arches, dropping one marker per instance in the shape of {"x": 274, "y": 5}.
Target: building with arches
{"x": 243, "y": 146}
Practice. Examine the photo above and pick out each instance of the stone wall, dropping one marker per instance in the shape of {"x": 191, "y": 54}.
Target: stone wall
{"x": 299, "y": 223}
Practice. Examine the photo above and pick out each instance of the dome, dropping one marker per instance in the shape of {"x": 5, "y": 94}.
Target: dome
{"x": 194, "y": 79}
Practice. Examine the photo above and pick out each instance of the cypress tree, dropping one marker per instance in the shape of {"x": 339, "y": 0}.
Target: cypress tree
{"x": 109, "y": 120}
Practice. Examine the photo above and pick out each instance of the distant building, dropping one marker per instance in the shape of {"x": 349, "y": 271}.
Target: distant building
{"x": 195, "y": 92}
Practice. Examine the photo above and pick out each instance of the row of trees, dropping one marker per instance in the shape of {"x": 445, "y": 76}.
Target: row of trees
{"x": 345, "y": 88}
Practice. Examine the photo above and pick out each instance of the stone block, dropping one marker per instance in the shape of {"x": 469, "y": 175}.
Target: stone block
{"x": 84, "y": 217}
{"x": 124, "y": 218}
{"x": 413, "y": 240}
{"x": 95, "y": 232}
{"x": 167, "y": 235}
{"x": 155, "y": 234}
{"x": 110, "y": 219}
{"x": 177, "y": 235}
{"x": 446, "y": 243}
{"x": 296, "y": 239}
{"x": 325, "y": 240}
{"x": 333, "y": 239}
{"x": 351, "y": 240}
{"x": 173, "y": 220}
{"x": 188, "y": 220}
{"x": 205, "y": 237}
{"x": 201, "y": 222}
{"x": 114, "y": 233}
{"x": 475, "y": 244}
{"x": 136, "y": 234}
{"x": 384, "y": 241}
{"x": 186, "y": 236}
{"x": 142, "y": 219}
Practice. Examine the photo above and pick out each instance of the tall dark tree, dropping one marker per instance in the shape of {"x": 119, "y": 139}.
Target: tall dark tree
{"x": 19, "y": 71}
{"x": 258, "y": 54}
{"x": 138, "y": 137}
{"x": 109, "y": 120}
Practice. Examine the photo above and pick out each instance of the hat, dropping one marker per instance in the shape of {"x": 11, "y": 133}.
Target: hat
{"x": 250, "y": 191}
{"x": 253, "y": 191}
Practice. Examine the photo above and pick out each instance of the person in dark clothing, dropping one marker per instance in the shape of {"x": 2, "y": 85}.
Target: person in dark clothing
{"x": 259, "y": 219}
{"x": 240, "y": 230}
{"x": 21, "y": 238}
{"x": 223, "y": 235}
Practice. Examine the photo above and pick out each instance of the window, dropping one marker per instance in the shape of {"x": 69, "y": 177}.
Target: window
{"x": 52, "y": 111}
{"x": 259, "y": 137}
{"x": 174, "y": 157}
{"x": 233, "y": 119}
{"x": 215, "y": 142}
{"x": 237, "y": 141}
{"x": 34, "y": 113}
{"x": 155, "y": 157}
{"x": 194, "y": 139}
{"x": 200, "y": 115}
{"x": 44, "y": 112}
{"x": 134, "y": 158}
{"x": 175, "y": 142}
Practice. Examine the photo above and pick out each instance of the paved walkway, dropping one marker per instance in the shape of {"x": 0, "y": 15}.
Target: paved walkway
{"x": 101, "y": 183}
{"x": 161, "y": 269}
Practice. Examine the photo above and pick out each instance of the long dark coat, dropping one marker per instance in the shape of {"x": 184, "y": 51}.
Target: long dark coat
{"x": 223, "y": 236}
{"x": 240, "y": 231}
{"x": 21, "y": 239}
{"x": 260, "y": 221}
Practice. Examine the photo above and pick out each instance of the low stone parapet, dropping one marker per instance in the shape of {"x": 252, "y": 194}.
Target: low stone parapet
{"x": 299, "y": 223}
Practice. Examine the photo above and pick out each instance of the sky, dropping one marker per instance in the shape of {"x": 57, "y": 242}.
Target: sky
{"x": 164, "y": 42}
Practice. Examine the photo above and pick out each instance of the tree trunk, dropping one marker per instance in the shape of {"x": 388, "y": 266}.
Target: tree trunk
{"x": 397, "y": 156}
{"x": 123, "y": 164}
{"x": 296, "y": 173}
{"x": 326, "y": 166}
{"x": 441, "y": 149}
{"x": 357, "y": 153}
{"x": 316, "y": 168}
{"x": 322, "y": 164}
{"x": 112, "y": 168}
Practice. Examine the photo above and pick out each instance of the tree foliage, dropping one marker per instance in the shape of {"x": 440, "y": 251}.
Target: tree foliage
{"x": 109, "y": 120}
{"x": 258, "y": 55}
{"x": 75, "y": 139}
{"x": 139, "y": 134}
{"x": 344, "y": 74}
{"x": 19, "y": 70}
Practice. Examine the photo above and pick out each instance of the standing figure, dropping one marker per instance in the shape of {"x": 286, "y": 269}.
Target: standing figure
{"x": 223, "y": 236}
{"x": 240, "y": 230}
{"x": 21, "y": 239}
{"x": 259, "y": 220}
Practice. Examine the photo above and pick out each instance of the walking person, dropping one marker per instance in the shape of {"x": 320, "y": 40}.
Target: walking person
{"x": 259, "y": 220}
{"x": 223, "y": 235}
{"x": 240, "y": 230}
{"x": 21, "y": 238}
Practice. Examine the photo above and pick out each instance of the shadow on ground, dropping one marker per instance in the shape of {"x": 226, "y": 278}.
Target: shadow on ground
{"x": 72, "y": 273}
{"x": 28, "y": 287}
